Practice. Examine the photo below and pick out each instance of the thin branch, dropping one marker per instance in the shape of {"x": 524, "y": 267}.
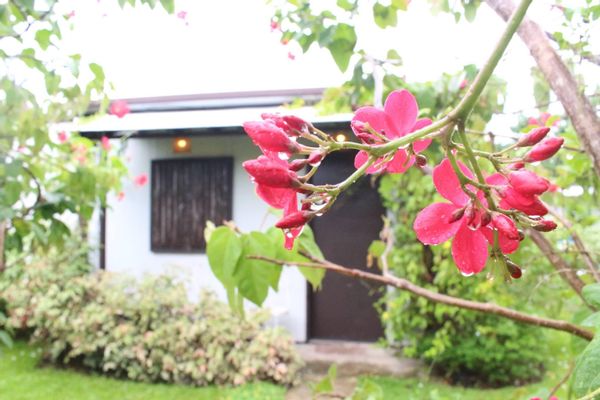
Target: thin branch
{"x": 591, "y": 265}
{"x": 404, "y": 284}
{"x": 562, "y": 381}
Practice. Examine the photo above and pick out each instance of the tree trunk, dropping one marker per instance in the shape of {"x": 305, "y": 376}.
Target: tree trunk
{"x": 580, "y": 111}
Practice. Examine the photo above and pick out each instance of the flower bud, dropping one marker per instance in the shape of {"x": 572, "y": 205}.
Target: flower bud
{"x": 295, "y": 123}
{"x": 361, "y": 130}
{"x": 544, "y": 225}
{"x": 533, "y": 137}
{"x": 269, "y": 136}
{"x": 486, "y": 218}
{"x": 472, "y": 216}
{"x": 420, "y": 160}
{"x": 270, "y": 172}
{"x": 513, "y": 269}
{"x": 505, "y": 225}
{"x": 293, "y": 220}
{"x": 544, "y": 149}
{"x": 528, "y": 183}
{"x": 456, "y": 215}
{"x": 297, "y": 165}
{"x": 315, "y": 157}
{"x": 517, "y": 165}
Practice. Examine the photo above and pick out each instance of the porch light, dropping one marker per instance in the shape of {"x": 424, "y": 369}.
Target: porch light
{"x": 340, "y": 137}
{"x": 182, "y": 145}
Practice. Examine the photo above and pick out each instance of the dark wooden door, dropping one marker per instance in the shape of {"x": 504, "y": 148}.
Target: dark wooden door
{"x": 344, "y": 307}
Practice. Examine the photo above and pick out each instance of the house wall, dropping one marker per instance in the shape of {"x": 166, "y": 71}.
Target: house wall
{"x": 128, "y": 227}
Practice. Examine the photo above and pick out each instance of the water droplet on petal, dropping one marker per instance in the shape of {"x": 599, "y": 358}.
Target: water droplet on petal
{"x": 319, "y": 214}
{"x": 283, "y": 156}
{"x": 288, "y": 234}
{"x": 466, "y": 273}
{"x": 316, "y": 164}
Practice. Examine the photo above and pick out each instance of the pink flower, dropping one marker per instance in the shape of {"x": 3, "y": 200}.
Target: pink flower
{"x": 291, "y": 125}
{"x": 544, "y": 149}
{"x": 397, "y": 119}
{"x": 542, "y": 120}
{"x": 120, "y": 108}
{"x": 291, "y": 56}
{"x": 523, "y": 196}
{"x": 274, "y": 25}
{"x": 463, "y": 84}
{"x": 120, "y": 196}
{"x": 105, "y": 142}
{"x": 62, "y": 137}
{"x": 141, "y": 179}
{"x": 182, "y": 15}
{"x": 462, "y": 220}
{"x": 270, "y": 137}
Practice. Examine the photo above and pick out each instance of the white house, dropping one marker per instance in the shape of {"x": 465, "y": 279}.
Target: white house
{"x": 157, "y": 227}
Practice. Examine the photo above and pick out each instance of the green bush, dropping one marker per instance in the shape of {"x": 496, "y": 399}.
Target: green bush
{"x": 464, "y": 346}
{"x": 144, "y": 331}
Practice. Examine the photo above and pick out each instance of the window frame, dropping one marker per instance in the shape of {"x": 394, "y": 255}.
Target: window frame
{"x": 229, "y": 211}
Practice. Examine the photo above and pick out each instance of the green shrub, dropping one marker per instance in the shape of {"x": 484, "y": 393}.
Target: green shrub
{"x": 144, "y": 331}
{"x": 465, "y": 346}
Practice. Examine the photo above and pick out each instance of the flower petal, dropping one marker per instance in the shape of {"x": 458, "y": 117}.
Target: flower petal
{"x": 469, "y": 250}
{"x": 421, "y": 145}
{"x": 401, "y": 112}
{"x": 362, "y": 157}
{"x": 374, "y": 116}
{"x": 432, "y": 226}
{"x": 447, "y": 184}
{"x": 507, "y": 246}
{"x": 400, "y": 163}
{"x": 276, "y": 197}
{"x": 496, "y": 179}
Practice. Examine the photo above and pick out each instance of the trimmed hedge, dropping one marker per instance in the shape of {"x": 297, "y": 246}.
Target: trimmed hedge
{"x": 143, "y": 330}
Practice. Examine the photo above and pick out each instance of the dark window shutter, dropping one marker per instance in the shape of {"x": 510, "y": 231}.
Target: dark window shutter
{"x": 186, "y": 193}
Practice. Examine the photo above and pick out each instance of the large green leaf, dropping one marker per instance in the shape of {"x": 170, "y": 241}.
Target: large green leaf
{"x": 342, "y": 45}
{"x": 591, "y": 293}
{"x": 224, "y": 250}
{"x": 254, "y": 277}
{"x": 586, "y": 375}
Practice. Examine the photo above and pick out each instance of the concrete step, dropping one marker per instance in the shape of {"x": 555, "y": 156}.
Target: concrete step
{"x": 355, "y": 358}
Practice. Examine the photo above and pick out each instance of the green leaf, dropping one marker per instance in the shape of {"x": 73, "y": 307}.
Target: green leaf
{"x": 306, "y": 242}
{"x": 586, "y": 375}
{"x": 367, "y": 390}
{"x": 347, "y": 5}
{"x": 385, "y": 16}
{"x": 325, "y": 385}
{"x": 376, "y": 248}
{"x": 401, "y": 4}
{"x": 43, "y": 38}
{"x": 393, "y": 55}
{"x": 591, "y": 294}
{"x": 98, "y": 72}
{"x": 593, "y": 320}
{"x": 342, "y": 45}
{"x": 470, "y": 11}
{"x": 168, "y": 5}
{"x": 5, "y": 338}
{"x": 224, "y": 250}
{"x": 255, "y": 276}
{"x": 11, "y": 193}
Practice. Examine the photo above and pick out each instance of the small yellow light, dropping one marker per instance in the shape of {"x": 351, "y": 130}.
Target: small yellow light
{"x": 340, "y": 137}
{"x": 182, "y": 145}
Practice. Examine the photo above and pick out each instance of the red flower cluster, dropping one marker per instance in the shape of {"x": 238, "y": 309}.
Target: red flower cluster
{"x": 276, "y": 180}
{"x": 120, "y": 108}
{"x": 398, "y": 118}
{"x": 462, "y": 218}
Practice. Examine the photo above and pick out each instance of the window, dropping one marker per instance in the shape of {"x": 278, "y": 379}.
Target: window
{"x": 187, "y": 192}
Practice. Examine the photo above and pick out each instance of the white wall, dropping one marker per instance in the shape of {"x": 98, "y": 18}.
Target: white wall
{"x": 128, "y": 227}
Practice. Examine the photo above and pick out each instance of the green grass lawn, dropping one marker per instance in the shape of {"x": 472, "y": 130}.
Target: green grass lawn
{"x": 22, "y": 379}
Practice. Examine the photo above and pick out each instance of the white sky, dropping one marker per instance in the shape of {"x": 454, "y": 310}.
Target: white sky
{"x": 228, "y": 46}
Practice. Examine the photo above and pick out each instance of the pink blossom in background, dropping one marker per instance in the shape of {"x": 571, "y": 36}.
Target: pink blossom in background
{"x": 62, "y": 137}
{"x": 120, "y": 196}
{"x": 291, "y": 56}
{"x": 141, "y": 179}
{"x": 274, "y": 25}
{"x": 120, "y": 108}
{"x": 105, "y": 142}
{"x": 70, "y": 15}
{"x": 182, "y": 15}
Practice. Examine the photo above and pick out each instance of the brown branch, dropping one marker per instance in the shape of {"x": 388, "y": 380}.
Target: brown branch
{"x": 563, "y": 83}
{"x": 566, "y": 272}
{"x": 404, "y": 284}
{"x": 587, "y": 257}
